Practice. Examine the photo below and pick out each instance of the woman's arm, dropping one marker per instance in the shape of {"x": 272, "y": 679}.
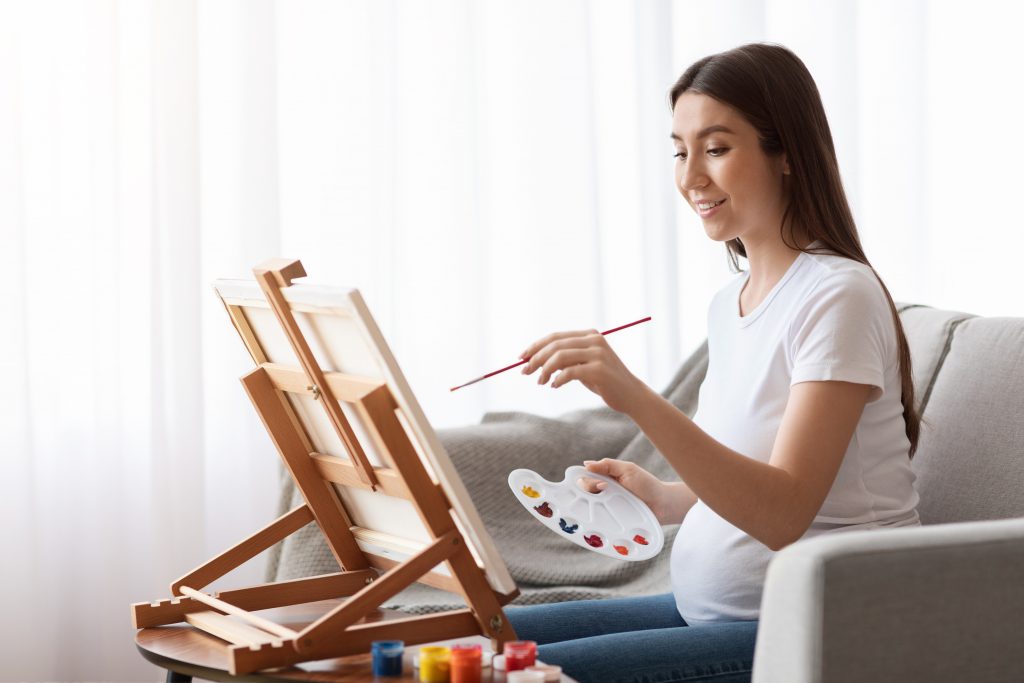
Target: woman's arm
{"x": 774, "y": 502}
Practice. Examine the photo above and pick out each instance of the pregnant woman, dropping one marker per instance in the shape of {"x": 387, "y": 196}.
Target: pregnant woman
{"x": 805, "y": 422}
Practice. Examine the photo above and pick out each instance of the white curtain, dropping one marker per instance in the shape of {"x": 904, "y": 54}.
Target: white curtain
{"x": 485, "y": 172}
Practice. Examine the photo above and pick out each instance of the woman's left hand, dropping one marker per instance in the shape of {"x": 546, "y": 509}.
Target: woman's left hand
{"x": 583, "y": 355}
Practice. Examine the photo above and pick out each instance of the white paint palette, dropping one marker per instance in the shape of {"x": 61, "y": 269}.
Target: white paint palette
{"x": 612, "y": 522}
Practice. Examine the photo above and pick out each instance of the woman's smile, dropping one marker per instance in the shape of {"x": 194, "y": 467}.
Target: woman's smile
{"x": 706, "y": 209}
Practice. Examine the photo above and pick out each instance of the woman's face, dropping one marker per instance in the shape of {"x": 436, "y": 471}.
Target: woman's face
{"x": 722, "y": 172}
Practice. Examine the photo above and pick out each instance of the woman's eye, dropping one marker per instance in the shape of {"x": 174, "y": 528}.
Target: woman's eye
{"x": 714, "y": 151}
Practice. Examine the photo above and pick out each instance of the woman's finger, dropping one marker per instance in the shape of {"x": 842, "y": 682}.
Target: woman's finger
{"x": 563, "y": 359}
{"x": 563, "y": 340}
{"x": 541, "y": 343}
{"x": 570, "y": 373}
{"x": 591, "y": 485}
{"x": 542, "y": 357}
{"x": 610, "y": 467}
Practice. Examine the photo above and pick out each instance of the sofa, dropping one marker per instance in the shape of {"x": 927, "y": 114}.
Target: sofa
{"x": 941, "y": 602}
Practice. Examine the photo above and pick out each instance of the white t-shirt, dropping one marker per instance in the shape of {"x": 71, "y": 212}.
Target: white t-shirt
{"x": 826, "y": 319}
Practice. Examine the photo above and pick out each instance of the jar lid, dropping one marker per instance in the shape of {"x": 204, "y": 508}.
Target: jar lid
{"x": 520, "y": 647}
{"x": 525, "y": 676}
{"x": 552, "y": 673}
{"x": 434, "y": 654}
{"x": 388, "y": 646}
{"x": 467, "y": 652}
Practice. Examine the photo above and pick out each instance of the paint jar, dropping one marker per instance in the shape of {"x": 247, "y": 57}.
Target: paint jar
{"x": 466, "y": 664}
{"x": 520, "y": 654}
{"x": 387, "y": 657}
{"x": 525, "y": 676}
{"x": 552, "y": 673}
{"x": 434, "y": 664}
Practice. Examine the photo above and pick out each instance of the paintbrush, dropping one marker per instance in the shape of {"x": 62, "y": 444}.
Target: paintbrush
{"x": 527, "y": 360}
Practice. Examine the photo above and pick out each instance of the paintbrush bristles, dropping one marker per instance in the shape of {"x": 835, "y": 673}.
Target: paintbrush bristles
{"x": 470, "y": 382}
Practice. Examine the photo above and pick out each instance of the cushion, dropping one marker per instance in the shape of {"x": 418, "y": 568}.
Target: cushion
{"x": 928, "y": 333}
{"x": 970, "y": 460}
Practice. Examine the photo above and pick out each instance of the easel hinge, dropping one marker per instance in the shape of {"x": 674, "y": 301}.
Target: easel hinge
{"x": 315, "y": 390}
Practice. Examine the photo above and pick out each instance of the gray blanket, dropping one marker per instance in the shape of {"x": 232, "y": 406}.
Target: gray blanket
{"x": 545, "y": 567}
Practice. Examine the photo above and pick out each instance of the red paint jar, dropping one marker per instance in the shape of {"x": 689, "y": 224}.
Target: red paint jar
{"x": 466, "y": 664}
{"x": 520, "y": 654}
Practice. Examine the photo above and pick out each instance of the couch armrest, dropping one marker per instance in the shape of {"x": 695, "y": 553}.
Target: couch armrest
{"x": 941, "y": 602}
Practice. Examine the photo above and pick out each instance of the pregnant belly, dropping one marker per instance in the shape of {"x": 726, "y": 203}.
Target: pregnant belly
{"x": 717, "y": 570}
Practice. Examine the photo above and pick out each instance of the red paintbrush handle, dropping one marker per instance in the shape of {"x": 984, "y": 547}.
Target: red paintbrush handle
{"x": 526, "y": 360}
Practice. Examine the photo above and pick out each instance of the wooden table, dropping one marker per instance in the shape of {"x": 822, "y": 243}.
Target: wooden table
{"x": 187, "y": 653}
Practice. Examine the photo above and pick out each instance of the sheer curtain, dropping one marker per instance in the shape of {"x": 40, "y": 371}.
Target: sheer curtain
{"x": 485, "y": 172}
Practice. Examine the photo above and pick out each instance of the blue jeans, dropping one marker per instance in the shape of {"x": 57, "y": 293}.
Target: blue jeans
{"x": 635, "y": 640}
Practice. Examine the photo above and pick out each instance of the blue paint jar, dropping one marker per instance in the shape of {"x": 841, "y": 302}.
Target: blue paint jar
{"x": 387, "y": 657}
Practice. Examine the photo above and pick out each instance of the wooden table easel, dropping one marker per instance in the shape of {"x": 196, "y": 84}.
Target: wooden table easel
{"x": 368, "y": 578}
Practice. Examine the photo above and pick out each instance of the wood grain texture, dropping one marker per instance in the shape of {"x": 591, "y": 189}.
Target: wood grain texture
{"x": 321, "y": 499}
{"x": 242, "y": 552}
{"x": 270, "y": 282}
{"x": 436, "y": 551}
{"x": 188, "y": 650}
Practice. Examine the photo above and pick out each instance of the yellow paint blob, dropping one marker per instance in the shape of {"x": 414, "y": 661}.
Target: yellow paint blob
{"x": 527, "y": 491}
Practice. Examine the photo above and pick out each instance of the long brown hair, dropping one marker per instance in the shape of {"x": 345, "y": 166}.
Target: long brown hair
{"x": 774, "y": 91}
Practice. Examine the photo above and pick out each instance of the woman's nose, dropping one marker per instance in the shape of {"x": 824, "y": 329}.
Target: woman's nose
{"x": 693, "y": 176}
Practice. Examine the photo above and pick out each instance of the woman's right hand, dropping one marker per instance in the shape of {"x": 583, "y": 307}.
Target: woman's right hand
{"x": 635, "y": 479}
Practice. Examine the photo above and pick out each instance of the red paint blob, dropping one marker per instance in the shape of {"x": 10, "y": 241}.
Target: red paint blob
{"x": 543, "y": 509}
{"x": 640, "y": 539}
{"x": 594, "y": 540}
{"x": 621, "y": 549}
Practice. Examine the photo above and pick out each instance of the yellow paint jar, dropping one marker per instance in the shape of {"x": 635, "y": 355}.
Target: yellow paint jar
{"x": 435, "y": 663}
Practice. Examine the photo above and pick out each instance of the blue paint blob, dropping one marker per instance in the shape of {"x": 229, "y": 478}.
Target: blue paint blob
{"x": 566, "y": 528}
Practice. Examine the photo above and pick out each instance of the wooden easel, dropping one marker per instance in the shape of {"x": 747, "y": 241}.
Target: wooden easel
{"x": 367, "y": 579}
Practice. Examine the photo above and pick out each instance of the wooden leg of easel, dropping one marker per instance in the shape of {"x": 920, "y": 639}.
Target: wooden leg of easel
{"x": 309, "y": 589}
{"x": 482, "y": 599}
{"x": 265, "y": 596}
{"x": 358, "y": 637}
{"x": 322, "y": 499}
{"x": 332, "y": 626}
{"x": 433, "y": 507}
{"x": 280, "y": 528}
